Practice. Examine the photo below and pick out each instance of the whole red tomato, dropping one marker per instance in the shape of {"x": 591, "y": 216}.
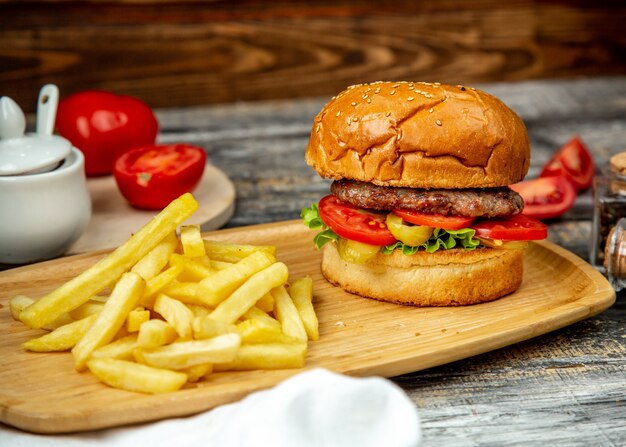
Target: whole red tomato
{"x": 104, "y": 125}
{"x": 151, "y": 177}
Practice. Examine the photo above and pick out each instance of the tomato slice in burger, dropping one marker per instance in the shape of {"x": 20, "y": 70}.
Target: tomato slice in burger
{"x": 355, "y": 223}
{"x": 546, "y": 197}
{"x": 435, "y": 220}
{"x": 574, "y": 162}
{"x": 516, "y": 228}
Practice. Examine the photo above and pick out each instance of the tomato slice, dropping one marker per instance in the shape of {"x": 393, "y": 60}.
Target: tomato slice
{"x": 546, "y": 197}
{"x": 151, "y": 177}
{"x": 355, "y": 223}
{"x": 435, "y": 220}
{"x": 574, "y": 162}
{"x": 516, "y": 228}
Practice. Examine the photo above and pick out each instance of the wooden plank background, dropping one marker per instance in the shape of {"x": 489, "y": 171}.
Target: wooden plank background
{"x": 181, "y": 53}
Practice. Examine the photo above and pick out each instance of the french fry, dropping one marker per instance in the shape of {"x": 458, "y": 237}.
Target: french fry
{"x": 62, "y": 338}
{"x": 20, "y": 302}
{"x": 266, "y": 356}
{"x": 136, "y": 318}
{"x": 199, "y": 311}
{"x": 207, "y": 328}
{"x": 159, "y": 282}
{"x": 135, "y": 377}
{"x": 124, "y": 297}
{"x": 219, "y": 265}
{"x": 151, "y": 264}
{"x": 122, "y": 349}
{"x": 84, "y": 310}
{"x": 242, "y": 299}
{"x": 79, "y": 289}
{"x": 215, "y": 288}
{"x": 197, "y": 372}
{"x": 191, "y": 240}
{"x": 185, "y": 354}
{"x": 288, "y": 315}
{"x": 155, "y": 333}
{"x": 176, "y": 314}
{"x": 301, "y": 291}
{"x": 193, "y": 269}
{"x": 227, "y": 252}
{"x": 255, "y": 331}
{"x": 254, "y": 313}
{"x": 185, "y": 292}
{"x": 17, "y": 304}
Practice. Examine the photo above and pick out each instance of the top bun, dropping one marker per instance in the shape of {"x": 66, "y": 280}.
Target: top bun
{"x": 419, "y": 135}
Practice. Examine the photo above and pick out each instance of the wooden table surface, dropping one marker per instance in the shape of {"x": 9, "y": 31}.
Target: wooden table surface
{"x": 564, "y": 388}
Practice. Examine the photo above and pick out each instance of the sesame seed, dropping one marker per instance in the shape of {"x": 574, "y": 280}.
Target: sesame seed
{"x": 396, "y": 85}
{"x": 339, "y": 113}
{"x": 317, "y": 128}
{"x": 365, "y": 96}
{"x": 437, "y": 83}
{"x": 430, "y": 110}
{"x": 388, "y": 114}
{"x": 410, "y": 98}
{"x": 428, "y": 96}
{"x": 393, "y": 92}
{"x": 369, "y": 100}
{"x": 377, "y": 90}
{"x": 355, "y": 119}
{"x": 353, "y": 104}
{"x": 411, "y": 87}
{"x": 438, "y": 122}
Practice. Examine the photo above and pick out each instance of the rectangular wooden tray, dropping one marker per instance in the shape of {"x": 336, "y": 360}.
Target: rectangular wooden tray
{"x": 43, "y": 393}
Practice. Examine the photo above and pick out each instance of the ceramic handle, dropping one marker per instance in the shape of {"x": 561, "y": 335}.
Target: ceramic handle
{"x": 47, "y": 109}
{"x": 12, "y": 120}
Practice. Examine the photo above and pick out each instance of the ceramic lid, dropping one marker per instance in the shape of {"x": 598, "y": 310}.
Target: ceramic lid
{"x": 35, "y": 152}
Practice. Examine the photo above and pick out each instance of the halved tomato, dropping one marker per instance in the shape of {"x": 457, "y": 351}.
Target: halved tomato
{"x": 435, "y": 220}
{"x": 516, "y": 228}
{"x": 574, "y": 162}
{"x": 355, "y": 223}
{"x": 546, "y": 197}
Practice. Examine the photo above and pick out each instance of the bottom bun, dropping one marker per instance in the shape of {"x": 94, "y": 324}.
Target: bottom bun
{"x": 453, "y": 277}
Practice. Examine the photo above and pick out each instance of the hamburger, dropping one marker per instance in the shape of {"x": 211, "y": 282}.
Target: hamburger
{"x": 420, "y": 210}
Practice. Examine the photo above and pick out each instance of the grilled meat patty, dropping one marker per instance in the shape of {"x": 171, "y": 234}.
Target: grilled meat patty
{"x": 475, "y": 202}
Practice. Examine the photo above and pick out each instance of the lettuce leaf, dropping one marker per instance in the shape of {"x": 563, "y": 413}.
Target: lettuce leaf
{"x": 311, "y": 218}
{"x": 440, "y": 239}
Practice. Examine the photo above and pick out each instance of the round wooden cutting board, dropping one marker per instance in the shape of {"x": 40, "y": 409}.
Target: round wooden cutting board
{"x": 113, "y": 220}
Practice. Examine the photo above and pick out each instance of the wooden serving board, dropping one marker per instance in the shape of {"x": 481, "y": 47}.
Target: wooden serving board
{"x": 43, "y": 393}
{"x": 113, "y": 220}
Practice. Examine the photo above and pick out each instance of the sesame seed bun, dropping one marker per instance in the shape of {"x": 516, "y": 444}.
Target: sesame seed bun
{"x": 453, "y": 277}
{"x": 419, "y": 135}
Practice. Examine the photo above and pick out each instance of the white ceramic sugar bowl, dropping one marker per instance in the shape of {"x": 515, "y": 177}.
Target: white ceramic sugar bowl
{"x": 44, "y": 202}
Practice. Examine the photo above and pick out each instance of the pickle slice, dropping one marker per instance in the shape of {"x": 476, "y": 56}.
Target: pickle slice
{"x": 412, "y": 235}
{"x": 356, "y": 252}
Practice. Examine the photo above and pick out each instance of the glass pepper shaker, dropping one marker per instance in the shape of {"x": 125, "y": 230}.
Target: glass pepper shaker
{"x": 609, "y": 207}
{"x": 615, "y": 255}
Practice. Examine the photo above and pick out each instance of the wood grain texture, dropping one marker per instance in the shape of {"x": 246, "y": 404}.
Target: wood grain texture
{"x": 358, "y": 336}
{"x": 172, "y": 53}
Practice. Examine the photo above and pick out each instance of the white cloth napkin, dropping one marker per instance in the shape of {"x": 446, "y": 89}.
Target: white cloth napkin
{"x": 314, "y": 408}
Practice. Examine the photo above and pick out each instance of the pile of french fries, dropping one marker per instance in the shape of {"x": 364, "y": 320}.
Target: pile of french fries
{"x": 166, "y": 309}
